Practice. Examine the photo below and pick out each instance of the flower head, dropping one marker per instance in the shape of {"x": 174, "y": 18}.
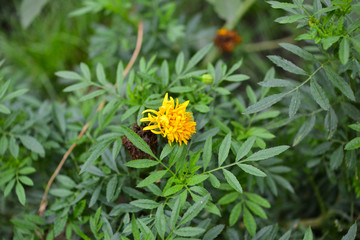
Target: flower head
{"x": 171, "y": 121}
{"x": 226, "y": 40}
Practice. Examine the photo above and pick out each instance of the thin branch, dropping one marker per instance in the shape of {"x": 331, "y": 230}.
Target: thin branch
{"x": 43, "y": 203}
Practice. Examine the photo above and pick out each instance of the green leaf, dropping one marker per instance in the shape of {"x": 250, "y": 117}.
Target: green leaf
{"x": 29, "y": 10}
{"x": 137, "y": 141}
{"x": 61, "y": 192}
{"x": 20, "y": 193}
{"x": 26, "y": 180}
{"x": 224, "y": 149}
{"x": 264, "y": 103}
{"x": 319, "y": 95}
{"x": 329, "y": 41}
{"x": 351, "y": 234}
{"x": 214, "y": 181}
{"x": 344, "y": 51}
{"x": 237, "y": 78}
{"x": 281, "y": 5}
{"x": 92, "y": 95}
{"x": 228, "y": 198}
{"x": 252, "y": 170}
{"x": 274, "y": 82}
{"x": 353, "y": 144}
{"x": 129, "y": 112}
{"x": 32, "y": 144}
{"x": 15, "y": 94}
{"x": 194, "y": 210}
{"x": 175, "y": 212}
{"x": 153, "y": 177}
{"x": 258, "y": 199}
{"x": 181, "y": 89}
{"x": 100, "y": 74}
{"x": 3, "y": 144}
{"x": 160, "y": 221}
{"x": 336, "y": 158}
{"x": 249, "y": 222}
{"x": 79, "y": 208}
{"x": 207, "y": 152}
{"x": 13, "y": 147}
{"x": 287, "y": 65}
{"x": 214, "y": 232}
{"x": 141, "y": 163}
{"x": 232, "y": 180}
{"x": 235, "y": 214}
{"x": 196, "y": 179}
{"x": 179, "y": 64}
{"x": 85, "y": 71}
{"x": 325, "y": 10}
{"x": 96, "y": 151}
{"x": 339, "y": 83}
{"x": 245, "y": 148}
{"x": 111, "y": 188}
{"x": 286, "y": 235}
{"x": 290, "y": 19}
{"x": 304, "y": 130}
{"x": 294, "y": 104}
{"x": 69, "y": 75}
{"x": 4, "y": 88}
{"x": 298, "y": 51}
{"x": 4, "y": 109}
{"x": 308, "y": 234}
{"x": 76, "y": 86}
{"x": 27, "y": 170}
{"x": 119, "y": 77}
{"x": 222, "y": 91}
{"x": 251, "y": 94}
{"x": 9, "y": 187}
{"x": 166, "y": 151}
{"x": 256, "y": 209}
{"x": 165, "y": 73}
{"x": 198, "y": 56}
{"x": 172, "y": 190}
{"x": 145, "y": 203}
{"x": 202, "y": 108}
{"x": 267, "y": 115}
{"x": 134, "y": 228}
{"x": 189, "y": 231}
{"x": 266, "y": 153}
{"x": 59, "y": 225}
{"x": 355, "y": 126}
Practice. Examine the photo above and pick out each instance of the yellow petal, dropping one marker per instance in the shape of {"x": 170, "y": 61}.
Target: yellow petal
{"x": 151, "y": 127}
{"x": 150, "y": 110}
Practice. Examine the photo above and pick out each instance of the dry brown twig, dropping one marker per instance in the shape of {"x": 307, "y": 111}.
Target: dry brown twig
{"x": 43, "y": 203}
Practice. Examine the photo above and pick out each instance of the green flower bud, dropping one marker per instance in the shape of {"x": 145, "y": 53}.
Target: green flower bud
{"x": 207, "y": 79}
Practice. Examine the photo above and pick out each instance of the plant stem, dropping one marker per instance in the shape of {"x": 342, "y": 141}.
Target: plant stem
{"x": 240, "y": 13}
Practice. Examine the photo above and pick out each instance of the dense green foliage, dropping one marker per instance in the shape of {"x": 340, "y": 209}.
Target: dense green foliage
{"x": 276, "y": 149}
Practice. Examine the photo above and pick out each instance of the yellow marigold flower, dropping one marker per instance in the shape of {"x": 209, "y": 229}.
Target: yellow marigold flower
{"x": 171, "y": 121}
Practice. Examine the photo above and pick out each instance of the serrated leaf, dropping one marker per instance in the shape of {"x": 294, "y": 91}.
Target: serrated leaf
{"x": 201, "y": 108}
{"x": 249, "y": 222}
{"x": 91, "y": 95}
{"x": 194, "y": 210}
{"x": 214, "y": 181}
{"x": 258, "y": 199}
{"x": 329, "y": 41}
{"x": 111, "y": 188}
{"x": 228, "y": 198}
{"x": 298, "y": 51}
{"x": 287, "y": 65}
{"x": 319, "y": 95}
{"x": 294, "y": 104}
{"x": 172, "y": 190}
{"x": 166, "y": 151}
{"x": 245, "y": 148}
{"x": 264, "y": 103}
{"x": 9, "y": 187}
{"x": 153, "y": 177}
{"x": 26, "y": 180}
{"x": 344, "y": 51}
{"x": 290, "y": 19}
{"x": 32, "y": 144}
{"x": 224, "y": 149}
{"x": 353, "y": 144}
{"x": 20, "y": 193}
{"x": 134, "y": 228}
{"x": 266, "y": 153}
{"x": 336, "y": 158}
{"x": 214, "y": 232}
{"x": 256, "y": 209}
{"x": 189, "y": 231}
{"x": 235, "y": 214}
{"x": 252, "y": 170}
{"x": 160, "y": 221}
{"x": 308, "y": 234}
{"x": 141, "y": 163}
{"x": 129, "y": 112}
{"x": 76, "y": 86}
{"x": 274, "y": 82}
{"x": 137, "y": 141}
{"x": 351, "y": 234}
{"x": 196, "y": 179}
{"x": 232, "y": 180}
{"x": 304, "y": 130}
{"x": 237, "y": 78}
{"x": 96, "y": 151}
{"x": 145, "y": 203}
{"x": 27, "y": 170}
{"x": 198, "y": 56}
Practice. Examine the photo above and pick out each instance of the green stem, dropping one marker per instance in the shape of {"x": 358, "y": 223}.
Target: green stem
{"x": 239, "y": 14}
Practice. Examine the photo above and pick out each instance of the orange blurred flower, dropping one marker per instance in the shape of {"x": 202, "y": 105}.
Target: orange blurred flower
{"x": 226, "y": 40}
